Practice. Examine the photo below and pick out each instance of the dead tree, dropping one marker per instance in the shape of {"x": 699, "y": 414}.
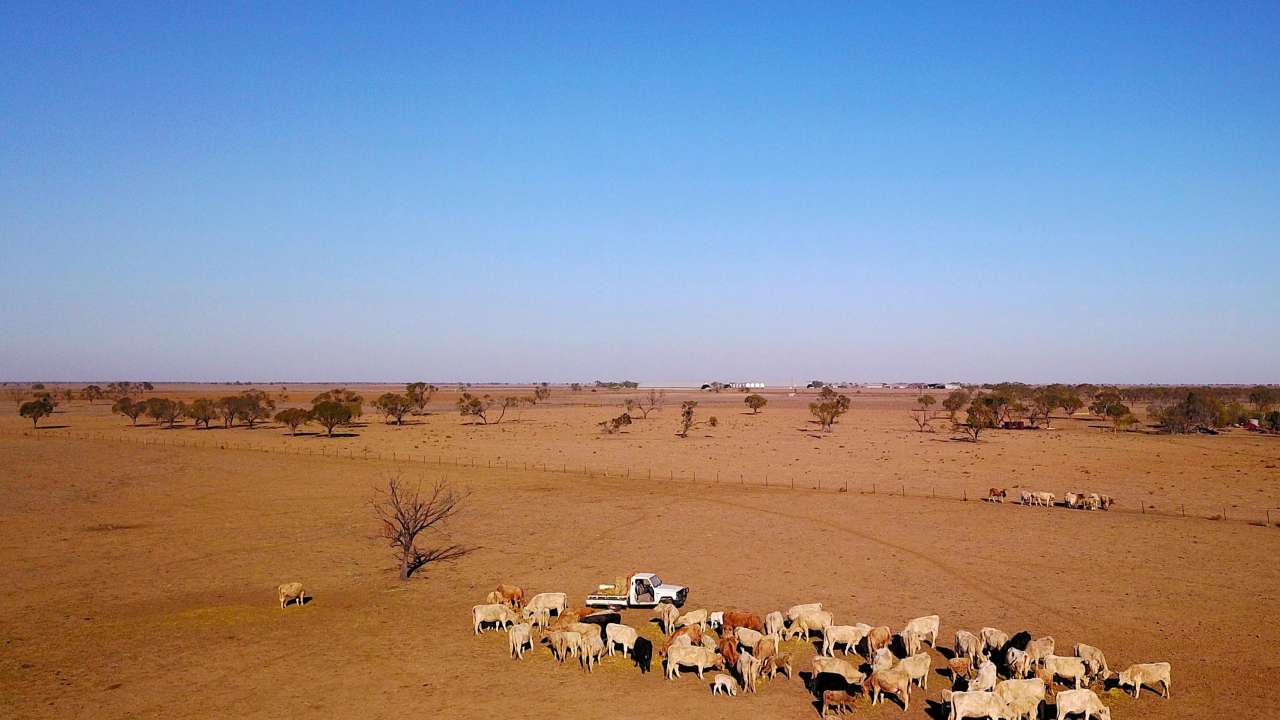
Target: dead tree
{"x": 405, "y": 513}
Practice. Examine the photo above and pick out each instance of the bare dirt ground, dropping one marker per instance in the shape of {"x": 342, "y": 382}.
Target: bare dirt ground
{"x": 139, "y": 580}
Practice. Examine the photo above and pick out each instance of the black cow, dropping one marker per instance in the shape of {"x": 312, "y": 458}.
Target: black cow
{"x": 643, "y": 654}
{"x": 602, "y": 619}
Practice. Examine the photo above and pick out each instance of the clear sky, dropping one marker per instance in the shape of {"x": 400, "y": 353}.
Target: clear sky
{"x": 544, "y": 191}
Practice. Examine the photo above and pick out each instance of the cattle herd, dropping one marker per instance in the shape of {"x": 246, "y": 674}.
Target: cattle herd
{"x": 1076, "y": 501}
{"x": 993, "y": 674}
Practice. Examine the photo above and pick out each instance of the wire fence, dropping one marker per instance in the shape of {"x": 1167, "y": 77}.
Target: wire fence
{"x": 1259, "y": 516}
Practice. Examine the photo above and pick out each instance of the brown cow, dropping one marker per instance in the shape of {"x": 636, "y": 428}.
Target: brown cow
{"x": 996, "y": 494}
{"x": 693, "y": 631}
{"x": 571, "y": 616}
{"x": 778, "y": 663}
{"x": 741, "y": 618}
{"x": 836, "y": 700}
{"x": 511, "y": 594}
{"x": 879, "y": 637}
{"x": 960, "y": 667}
{"x": 729, "y": 649}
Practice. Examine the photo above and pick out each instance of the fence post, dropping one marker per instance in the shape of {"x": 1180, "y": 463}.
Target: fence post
{"x": 966, "y": 494}
{"x": 873, "y": 488}
{"x": 904, "y": 491}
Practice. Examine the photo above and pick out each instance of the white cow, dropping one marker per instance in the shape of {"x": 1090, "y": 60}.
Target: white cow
{"x": 624, "y": 635}
{"x": 1062, "y": 666}
{"x": 977, "y": 704}
{"x": 985, "y": 679}
{"x": 1094, "y": 660}
{"x": 1086, "y": 702}
{"x": 1023, "y": 697}
{"x": 847, "y": 635}
{"x": 926, "y": 626}
{"x": 1147, "y": 674}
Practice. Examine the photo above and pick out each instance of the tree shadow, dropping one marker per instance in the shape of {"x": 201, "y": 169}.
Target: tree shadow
{"x": 52, "y": 427}
{"x": 325, "y": 436}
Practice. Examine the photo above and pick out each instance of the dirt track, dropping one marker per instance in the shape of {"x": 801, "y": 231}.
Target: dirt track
{"x": 140, "y": 582}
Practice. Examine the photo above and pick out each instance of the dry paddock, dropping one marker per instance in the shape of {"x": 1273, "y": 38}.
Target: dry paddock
{"x": 139, "y": 582}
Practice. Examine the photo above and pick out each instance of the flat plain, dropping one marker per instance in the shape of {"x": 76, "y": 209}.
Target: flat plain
{"x": 140, "y": 563}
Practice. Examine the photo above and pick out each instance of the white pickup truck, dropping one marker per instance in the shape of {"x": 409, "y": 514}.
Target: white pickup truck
{"x": 644, "y": 590}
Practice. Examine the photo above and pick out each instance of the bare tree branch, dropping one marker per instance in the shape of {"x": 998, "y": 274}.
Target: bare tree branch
{"x": 404, "y": 513}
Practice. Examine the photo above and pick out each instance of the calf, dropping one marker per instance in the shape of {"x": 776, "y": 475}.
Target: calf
{"x": 836, "y": 701}
{"x": 780, "y": 663}
{"x": 725, "y": 684}
{"x": 996, "y": 494}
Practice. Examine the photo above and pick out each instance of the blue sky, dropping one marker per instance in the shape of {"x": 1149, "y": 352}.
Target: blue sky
{"x": 1078, "y": 192}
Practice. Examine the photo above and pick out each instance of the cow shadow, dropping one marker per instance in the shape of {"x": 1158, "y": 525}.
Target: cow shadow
{"x": 937, "y": 709}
